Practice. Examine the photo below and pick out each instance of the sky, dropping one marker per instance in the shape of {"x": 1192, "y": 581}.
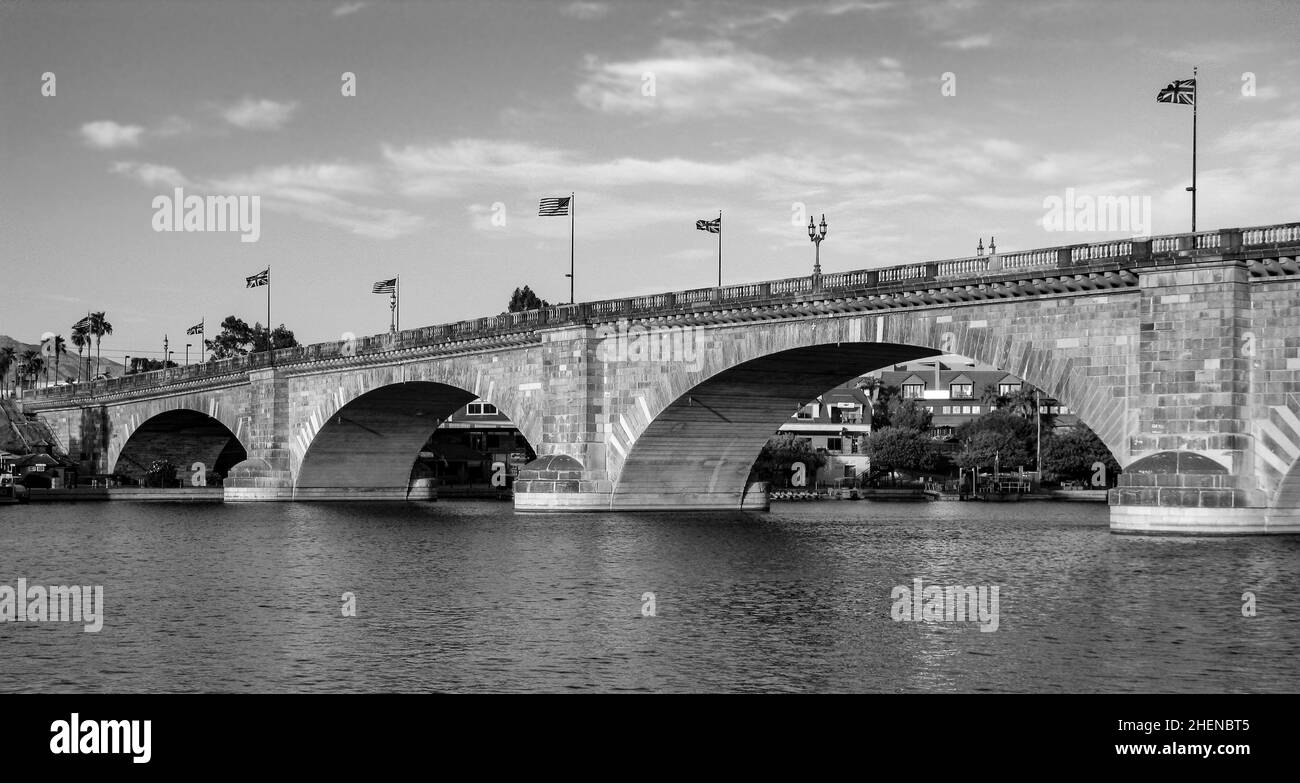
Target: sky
{"x": 917, "y": 128}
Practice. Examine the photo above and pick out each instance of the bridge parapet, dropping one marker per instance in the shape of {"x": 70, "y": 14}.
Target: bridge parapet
{"x": 477, "y": 334}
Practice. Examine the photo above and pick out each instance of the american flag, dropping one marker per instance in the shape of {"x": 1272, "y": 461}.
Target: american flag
{"x": 385, "y": 287}
{"x": 712, "y": 226}
{"x": 195, "y": 329}
{"x": 1179, "y": 91}
{"x": 551, "y": 207}
{"x": 261, "y": 278}
{"x": 84, "y": 323}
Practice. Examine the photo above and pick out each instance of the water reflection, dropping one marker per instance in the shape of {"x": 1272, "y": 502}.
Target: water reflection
{"x": 470, "y": 596}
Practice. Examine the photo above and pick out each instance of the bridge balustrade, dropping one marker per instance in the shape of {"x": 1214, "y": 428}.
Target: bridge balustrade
{"x": 1154, "y": 250}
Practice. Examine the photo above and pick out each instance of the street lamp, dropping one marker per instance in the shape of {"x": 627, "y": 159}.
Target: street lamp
{"x": 817, "y": 236}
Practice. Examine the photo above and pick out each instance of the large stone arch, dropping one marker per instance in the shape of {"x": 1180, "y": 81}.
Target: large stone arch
{"x": 204, "y": 416}
{"x": 182, "y": 436}
{"x": 691, "y": 426}
{"x": 366, "y": 446}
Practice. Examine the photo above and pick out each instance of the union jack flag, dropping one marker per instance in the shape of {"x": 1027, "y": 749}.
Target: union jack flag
{"x": 1179, "y": 91}
{"x": 712, "y": 226}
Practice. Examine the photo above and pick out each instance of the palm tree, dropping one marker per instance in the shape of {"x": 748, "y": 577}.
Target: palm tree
{"x": 27, "y": 361}
{"x": 81, "y": 339}
{"x": 99, "y": 327}
{"x": 7, "y": 358}
{"x": 60, "y": 350}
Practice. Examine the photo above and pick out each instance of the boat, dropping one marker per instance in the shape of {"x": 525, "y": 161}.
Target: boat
{"x": 11, "y": 491}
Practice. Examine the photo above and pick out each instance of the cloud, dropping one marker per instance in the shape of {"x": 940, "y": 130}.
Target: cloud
{"x": 150, "y": 173}
{"x": 746, "y": 19}
{"x": 585, "y": 11}
{"x": 107, "y": 135}
{"x": 334, "y": 194}
{"x": 970, "y": 42}
{"x": 707, "y": 80}
{"x": 348, "y": 9}
{"x": 263, "y": 114}
{"x": 447, "y": 169}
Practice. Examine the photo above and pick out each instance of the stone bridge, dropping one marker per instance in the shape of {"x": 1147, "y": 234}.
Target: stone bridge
{"x": 1182, "y": 352}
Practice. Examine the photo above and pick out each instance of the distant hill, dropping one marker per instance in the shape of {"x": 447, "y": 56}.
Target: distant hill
{"x": 67, "y": 362}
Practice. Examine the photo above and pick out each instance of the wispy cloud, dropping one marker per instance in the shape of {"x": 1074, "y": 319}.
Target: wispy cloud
{"x": 263, "y": 114}
{"x": 692, "y": 80}
{"x": 970, "y": 42}
{"x": 107, "y": 134}
{"x": 347, "y": 9}
{"x": 750, "y": 19}
{"x": 585, "y": 11}
{"x": 335, "y": 194}
{"x": 150, "y": 174}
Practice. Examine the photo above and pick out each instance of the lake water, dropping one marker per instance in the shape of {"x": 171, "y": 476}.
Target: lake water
{"x": 470, "y": 596}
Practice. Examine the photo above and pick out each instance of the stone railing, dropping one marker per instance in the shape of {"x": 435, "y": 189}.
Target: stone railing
{"x": 1067, "y": 258}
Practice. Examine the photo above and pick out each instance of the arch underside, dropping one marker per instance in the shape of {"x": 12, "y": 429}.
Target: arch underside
{"x": 698, "y": 452}
{"x": 183, "y": 437}
{"x": 368, "y": 447}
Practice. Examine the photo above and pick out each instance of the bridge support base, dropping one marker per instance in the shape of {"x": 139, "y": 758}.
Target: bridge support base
{"x": 1192, "y": 521}
{"x": 558, "y": 483}
{"x": 585, "y": 501}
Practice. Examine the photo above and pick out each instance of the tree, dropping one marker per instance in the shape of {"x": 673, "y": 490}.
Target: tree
{"x": 81, "y": 339}
{"x": 30, "y": 365}
{"x": 60, "y": 350}
{"x": 7, "y": 358}
{"x": 779, "y": 453}
{"x": 99, "y": 326}
{"x": 983, "y": 448}
{"x": 1022, "y": 402}
{"x": 908, "y": 414}
{"x": 1071, "y": 454}
{"x": 524, "y": 299}
{"x": 881, "y": 396}
{"x": 273, "y": 339}
{"x": 896, "y": 448}
{"x": 237, "y": 338}
{"x": 161, "y": 473}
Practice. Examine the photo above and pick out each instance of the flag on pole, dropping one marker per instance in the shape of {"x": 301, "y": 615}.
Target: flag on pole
{"x": 84, "y": 323}
{"x": 712, "y": 226}
{"x": 195, "y": 329}
{"x": 1179, "y": 91}
{"x": 554, "y": 207}
{"x": 261, "y": 278}
{"x": 385, "y": 287}
{"x": 1183, "y": 91}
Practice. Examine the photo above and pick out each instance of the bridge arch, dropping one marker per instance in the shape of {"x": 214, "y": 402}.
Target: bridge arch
{"x": 699, "y": 429}
{"x": 366, "y": 446}
{"x": 180, "y": 435}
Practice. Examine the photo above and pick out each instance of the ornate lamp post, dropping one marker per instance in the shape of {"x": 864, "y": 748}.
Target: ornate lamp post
{"x": 817, "y": 232}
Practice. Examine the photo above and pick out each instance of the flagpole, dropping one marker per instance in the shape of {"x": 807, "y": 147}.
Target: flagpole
{"x": 270, "y": 335}
{"x": 719, "y": 248}
{"x": 1196, "y": 103}
{"x": 399, "y": 302}
{"x": 573, "y": 215}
